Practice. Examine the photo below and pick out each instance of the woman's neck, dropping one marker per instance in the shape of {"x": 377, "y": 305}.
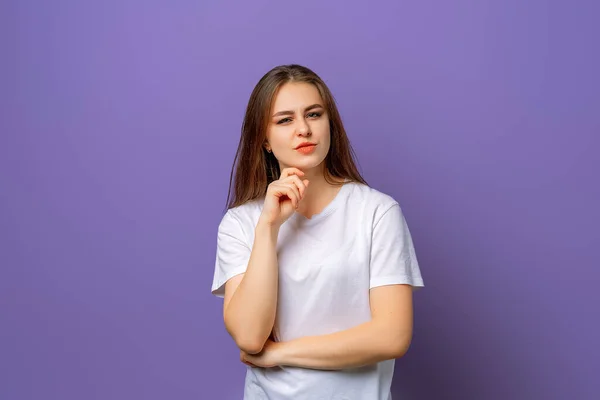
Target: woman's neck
{"x": 318, "y": 194}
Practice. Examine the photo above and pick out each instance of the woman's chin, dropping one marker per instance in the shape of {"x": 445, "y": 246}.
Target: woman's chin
{"x": 305, "y": 165}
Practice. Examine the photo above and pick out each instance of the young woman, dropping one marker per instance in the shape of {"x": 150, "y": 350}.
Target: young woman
{"x": 316, "y": 268}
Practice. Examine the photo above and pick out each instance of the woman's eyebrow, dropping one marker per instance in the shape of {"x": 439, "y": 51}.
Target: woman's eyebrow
{"x": 311, "y": 107}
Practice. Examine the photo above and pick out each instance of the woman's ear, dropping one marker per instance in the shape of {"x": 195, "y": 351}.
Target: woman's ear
{"x": 267, "y": 147}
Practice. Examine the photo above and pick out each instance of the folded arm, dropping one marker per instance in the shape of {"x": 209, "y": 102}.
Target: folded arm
{"x": 251, "y": 298}
{"x": 386, "y": 336}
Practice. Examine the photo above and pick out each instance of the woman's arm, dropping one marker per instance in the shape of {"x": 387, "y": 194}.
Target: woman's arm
{"x": 250, "y": 300}
{"x": 386, "y": 336}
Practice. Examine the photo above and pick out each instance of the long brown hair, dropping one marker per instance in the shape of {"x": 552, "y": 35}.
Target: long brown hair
{"x": 254, "y": 167}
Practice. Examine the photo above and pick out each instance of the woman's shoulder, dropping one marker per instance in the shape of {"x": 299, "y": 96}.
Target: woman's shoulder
{"x": 372, "y": 205}
{"x": 244, "y": 214}
{"x": 372, "y": 196}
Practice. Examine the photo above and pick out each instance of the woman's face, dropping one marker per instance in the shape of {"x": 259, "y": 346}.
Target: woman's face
{"x": 298, "y": 131}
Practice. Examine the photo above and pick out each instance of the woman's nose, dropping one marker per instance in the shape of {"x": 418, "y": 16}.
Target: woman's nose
{"x": 303, "y": 128}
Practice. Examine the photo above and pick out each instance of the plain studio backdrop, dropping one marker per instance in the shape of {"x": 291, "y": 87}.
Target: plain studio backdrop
{"x": 119, "y": 123}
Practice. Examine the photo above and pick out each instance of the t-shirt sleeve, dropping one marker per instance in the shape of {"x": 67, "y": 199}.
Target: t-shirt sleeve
{"x": 233, "y": 253}
{"x": 393, "y": 259}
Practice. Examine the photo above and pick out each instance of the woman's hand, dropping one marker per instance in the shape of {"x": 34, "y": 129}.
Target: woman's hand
{"x": 283, "y": 196}
{"x": 269, "y": 357}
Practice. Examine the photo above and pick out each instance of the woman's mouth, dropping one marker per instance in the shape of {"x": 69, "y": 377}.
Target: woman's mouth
{"x": 306, "y": 149}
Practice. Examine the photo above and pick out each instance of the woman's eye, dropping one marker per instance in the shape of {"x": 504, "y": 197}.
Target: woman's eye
{"x": 314, "y": 115}
{"x": 283, "y": 121}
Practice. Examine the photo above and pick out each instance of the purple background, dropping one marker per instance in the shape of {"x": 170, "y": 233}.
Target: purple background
{"x": 119, "y": 125}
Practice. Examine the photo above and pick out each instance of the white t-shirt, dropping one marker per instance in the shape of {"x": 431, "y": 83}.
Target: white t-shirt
{"x": 327, "y": 264}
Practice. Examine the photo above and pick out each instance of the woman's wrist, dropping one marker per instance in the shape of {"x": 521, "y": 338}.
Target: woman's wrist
{"x": 265, "y": 226}
{"x": 281, "y": 357}
{"x": 267, "y": 232}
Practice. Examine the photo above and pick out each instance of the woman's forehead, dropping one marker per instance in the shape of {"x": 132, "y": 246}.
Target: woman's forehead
{"x": 294, "y": 96}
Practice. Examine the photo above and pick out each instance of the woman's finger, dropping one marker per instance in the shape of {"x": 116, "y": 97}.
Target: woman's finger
{"x": 243, "y": 359}
{"x": 293, "y": 194}
{"x": 300, "y": 184}
{"x": 286, "y": 172}
{"x": 287, "y": 189}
